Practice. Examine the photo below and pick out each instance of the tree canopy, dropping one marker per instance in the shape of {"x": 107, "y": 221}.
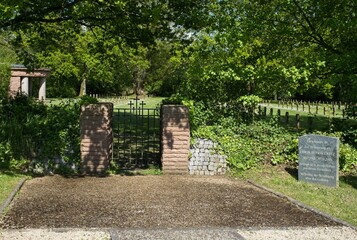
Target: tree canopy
{"x": 280, "y": 48}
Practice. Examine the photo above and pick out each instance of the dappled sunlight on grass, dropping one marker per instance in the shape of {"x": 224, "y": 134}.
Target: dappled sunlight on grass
{"x": 8, "y": 181}
{"x": 339, "y": 202}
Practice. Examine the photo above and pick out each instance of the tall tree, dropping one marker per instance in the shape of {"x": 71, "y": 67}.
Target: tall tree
{"x": 132, "y": 20}
{"x": 7, "y": 57}
{"x": 318, "y": 36}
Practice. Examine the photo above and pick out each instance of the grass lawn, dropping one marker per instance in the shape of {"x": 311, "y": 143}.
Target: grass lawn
{"x": 8, "y": 181}
{"x": 150, "y": 102}
{"x": 339, "y": 202}
{"x": 319, "y": 121}
{"x": 304, "y": 109}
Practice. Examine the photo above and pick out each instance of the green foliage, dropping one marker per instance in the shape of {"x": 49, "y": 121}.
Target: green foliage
{"x": 8, "y": 182}
{"x": 40, "y": 138}
{"x": 7, "y": 57}
{"x": 350, "y": 136}
{"x": 351, "y": 111}
{"x": 249, "y": 104}
{"x": 247, "y": 145}
{"x": 348, "y": 158}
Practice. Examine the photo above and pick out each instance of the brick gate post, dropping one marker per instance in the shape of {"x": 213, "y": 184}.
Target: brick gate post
{"x": 96, "y": 137}
{"x": 175, "y": 139}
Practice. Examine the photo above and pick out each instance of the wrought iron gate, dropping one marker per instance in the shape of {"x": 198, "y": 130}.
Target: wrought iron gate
{"x": 136, "y": 136}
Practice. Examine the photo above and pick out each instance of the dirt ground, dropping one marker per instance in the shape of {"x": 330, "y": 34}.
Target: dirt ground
{"x": 152, "y": 202}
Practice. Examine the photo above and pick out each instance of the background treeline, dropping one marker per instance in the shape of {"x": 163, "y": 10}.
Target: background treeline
{"x": 205, "y": 50}
{"x": 221, "y": 58}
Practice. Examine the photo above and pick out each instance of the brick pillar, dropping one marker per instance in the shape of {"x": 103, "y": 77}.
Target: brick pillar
{"x": 96, "y": 137}
{"x": 15, "y": 86}
{"x": 175, "y": 139}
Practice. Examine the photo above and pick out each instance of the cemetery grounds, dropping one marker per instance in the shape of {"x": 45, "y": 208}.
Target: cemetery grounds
{"x": 338, "y": 202}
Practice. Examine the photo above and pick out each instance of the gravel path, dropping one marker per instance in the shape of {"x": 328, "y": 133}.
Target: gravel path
{"x": 159, "y": 207}
{"x": 317, "y": 233}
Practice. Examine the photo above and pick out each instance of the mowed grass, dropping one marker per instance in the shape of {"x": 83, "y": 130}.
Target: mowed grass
{"x": 150, "y": 102}
{"x": 119, "y": 102}
{"x": 304, "y": 109}
{"x": 310, "y": 122}
{"x": 8, "y": 181}
{"x": 339, "y": 202}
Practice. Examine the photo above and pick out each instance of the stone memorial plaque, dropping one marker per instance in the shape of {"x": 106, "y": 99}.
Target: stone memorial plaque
{"x": 318, "y": 159}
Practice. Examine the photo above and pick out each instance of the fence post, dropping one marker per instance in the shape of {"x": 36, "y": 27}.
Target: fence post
{"x": 278, "y": 115}
{"x": 287, "y": 118}
{"x": 297, "y": 118}
{"x": 271, "y": 111}
{"x": 309, "y": 120}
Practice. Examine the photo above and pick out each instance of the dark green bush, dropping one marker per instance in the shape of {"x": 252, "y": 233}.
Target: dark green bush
{"x": 247, "y": 144}
{"x": 350, "y": 136}
{"x": 38, "y": 137}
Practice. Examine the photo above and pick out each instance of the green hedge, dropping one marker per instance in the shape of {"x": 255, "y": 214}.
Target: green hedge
{"x": 38, "y": 137}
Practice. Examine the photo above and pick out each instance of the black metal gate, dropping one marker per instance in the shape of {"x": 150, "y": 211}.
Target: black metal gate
{"x": 136, "y": 136}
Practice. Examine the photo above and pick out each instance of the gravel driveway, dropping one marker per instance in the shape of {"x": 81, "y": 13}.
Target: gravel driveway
{"x": 156, "y": 203}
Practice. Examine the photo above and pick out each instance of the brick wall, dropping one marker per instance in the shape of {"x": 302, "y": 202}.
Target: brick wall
{"x": 175, "y": 139}
{"x": 96, "y": 137}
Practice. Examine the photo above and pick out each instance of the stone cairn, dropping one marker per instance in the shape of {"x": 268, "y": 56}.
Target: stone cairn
{"x": 204, "y": 159}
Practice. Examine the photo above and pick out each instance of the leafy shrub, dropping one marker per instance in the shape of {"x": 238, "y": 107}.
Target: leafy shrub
{"x": 351, "y": 111}
{"x": 350, "y": 136}
{"x": 247, "y": 145}
{"x": 248, "y": 104}
{"x": 348, "y": 158}
{"x": 40, "y": 138}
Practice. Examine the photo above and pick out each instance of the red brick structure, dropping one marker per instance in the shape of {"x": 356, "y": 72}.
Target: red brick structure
{"x": 96, "y": 137}
{"x": 175, "y": 139}
{"x": 21, "y": 79}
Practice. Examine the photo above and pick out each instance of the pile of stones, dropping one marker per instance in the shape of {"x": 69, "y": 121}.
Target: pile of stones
{"x": 204, "y": 159}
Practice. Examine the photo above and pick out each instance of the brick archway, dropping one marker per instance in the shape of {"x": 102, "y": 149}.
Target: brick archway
{"x": 21, "y": 80}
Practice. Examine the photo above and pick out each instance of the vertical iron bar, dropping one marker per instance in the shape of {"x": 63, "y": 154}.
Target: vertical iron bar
{"x": 148, "y": 134}
{"x": 142, "y": 134}
{"x": 124, "y": 133}
{"x": 118, "y": 134}
{"x": 136, "y": 133}
{"x": 130, "y": 134}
